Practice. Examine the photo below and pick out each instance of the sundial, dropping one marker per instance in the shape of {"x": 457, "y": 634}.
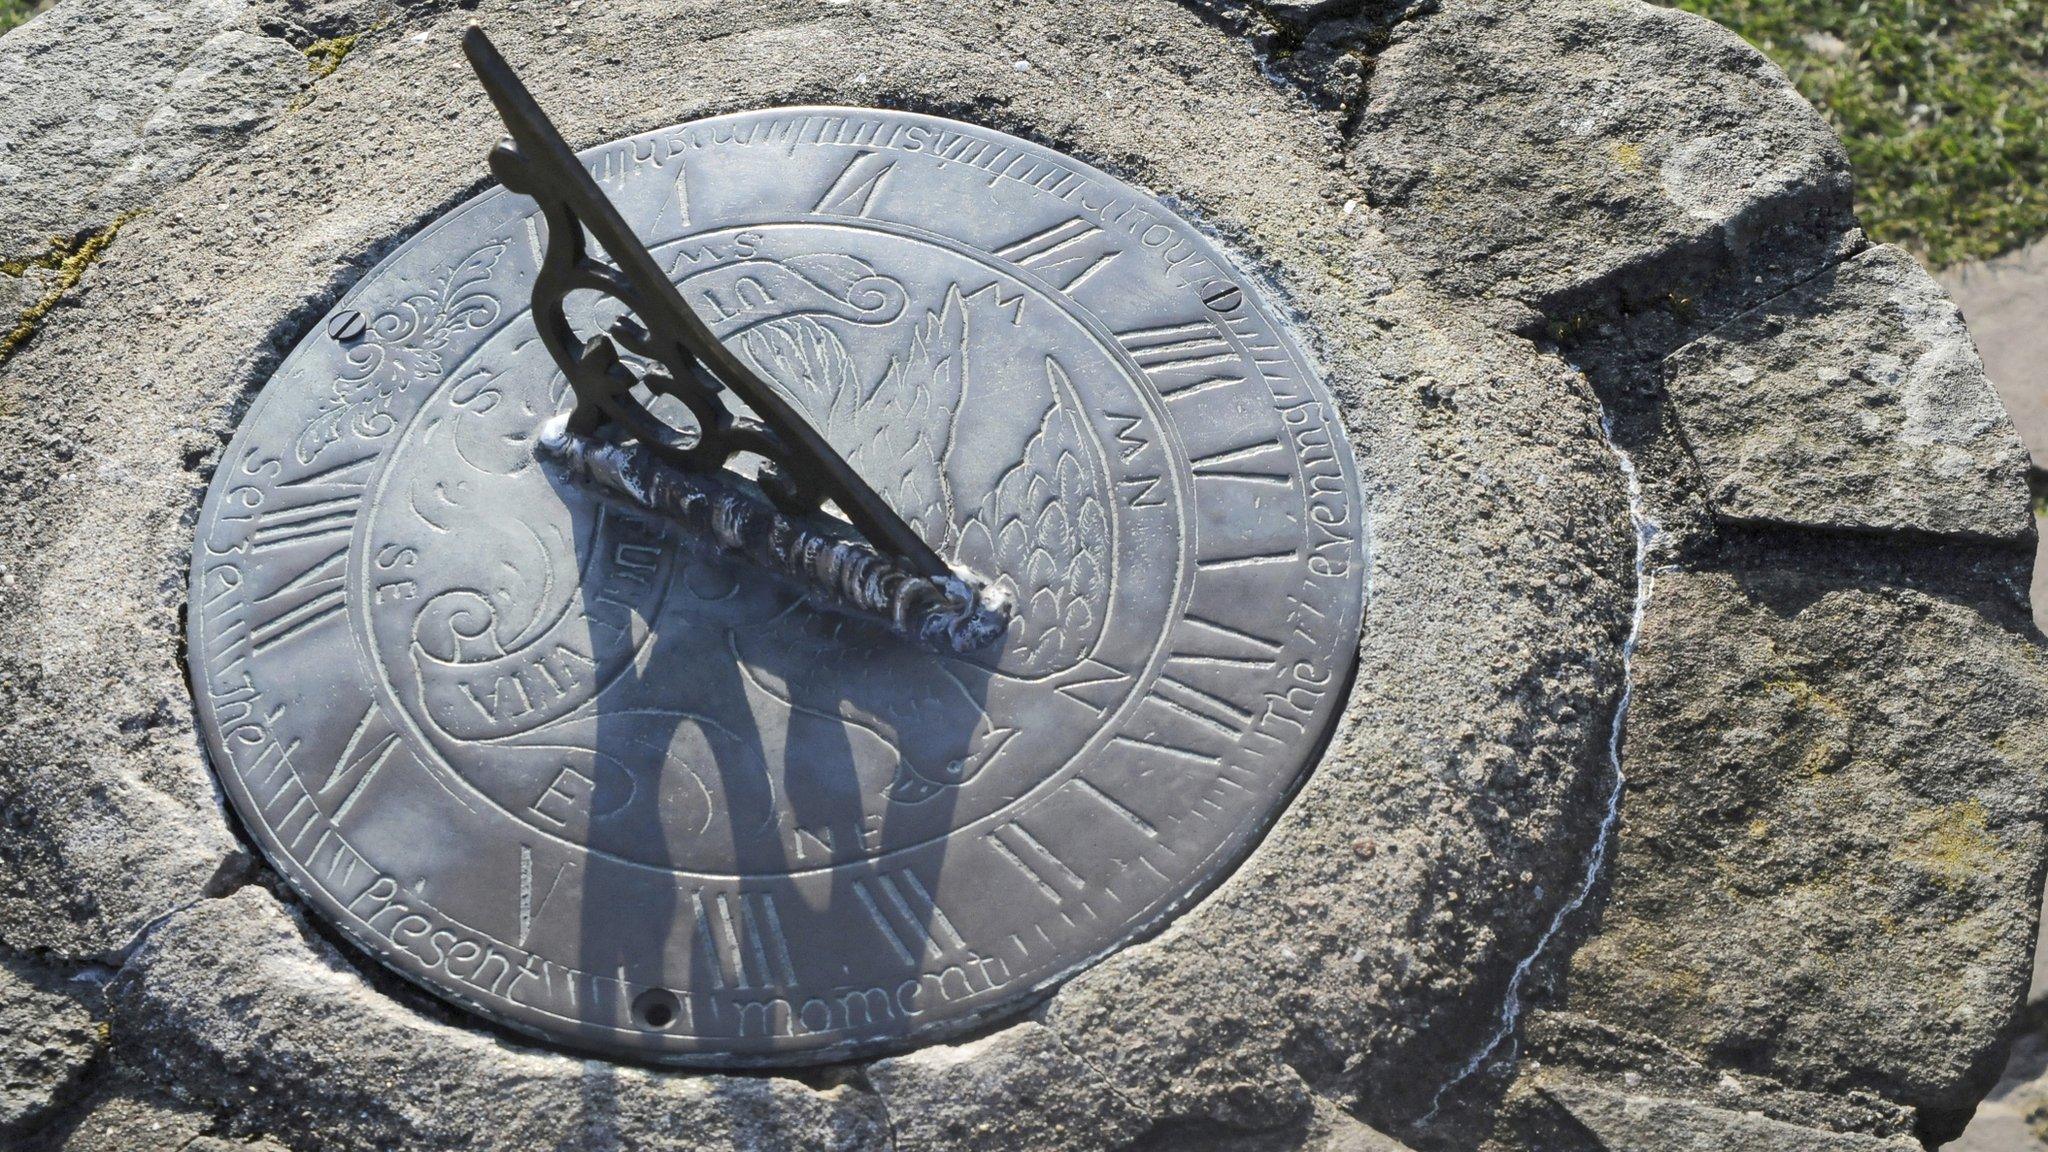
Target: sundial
{"x": 786, "y": 586}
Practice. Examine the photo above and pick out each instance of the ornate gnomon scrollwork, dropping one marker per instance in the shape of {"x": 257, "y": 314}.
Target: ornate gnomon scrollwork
{"x": 485, "y": 661}
{"x": 681, "y": 473}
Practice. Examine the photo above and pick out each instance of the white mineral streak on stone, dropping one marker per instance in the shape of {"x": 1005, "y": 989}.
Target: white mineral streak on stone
{"x": 1646, "y": 531}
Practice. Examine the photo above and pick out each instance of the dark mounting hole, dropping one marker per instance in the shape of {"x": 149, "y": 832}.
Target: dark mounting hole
{"x": 656, "y": 1008}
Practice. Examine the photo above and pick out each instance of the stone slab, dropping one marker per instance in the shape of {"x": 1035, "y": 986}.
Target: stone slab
{"x": 1016, "y": 1089}
{"x": 103, "y": 103}
{"x": 1854, "y": 401}
{"x": 236, "y": 984}
{"x": 1563, "y": 160}
{"x": 1826, "y": 781}
{"x": 48, "y": 1042}
{"x": 1621, "y": 1122}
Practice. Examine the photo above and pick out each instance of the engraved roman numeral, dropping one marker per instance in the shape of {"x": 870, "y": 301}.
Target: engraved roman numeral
{"x": 534, "y": 244}
{"x": 853, "y": 192}
{"x": 1064, "y": 255}
{"x": 1240, "y": 463}
{"x": 740, "y": 936}
{"x": 678, "y": 202}
{"x": 1091, "y": 678}
{"x": 529, "y": 907}
{"x": 1181, "y": 359}
{"x": 1045, "y": 870}
{"x": 1201, "y": 706}
{"x": 1239, "y": 635}
{"x": 1116, "y": 807}
{"x": 369, "y": 748}
{"x": 1173, "y": 752}
{"x": 905, "y": 914}
{"x": 317, "y": 529}
{"x": 320, "y": 519}
{"x": 312, "y": 598}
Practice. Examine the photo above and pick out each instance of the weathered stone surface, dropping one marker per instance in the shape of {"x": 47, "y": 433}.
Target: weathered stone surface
{"x": 1627, "y": 1123}
{"x": 1565, "y": 157}
{"x": 1823, "y": 871}
{"x": 1516, "y": 169}
{"x": 1562, "y": 1049}
{"x": 102, "y": 104}
{"x": 1853, "y": 401}
{"x": 1017, "y": 1089}
{"x": 122, "y": 1116}
{"x": 216, "y": 1144}
{"x": 47, "y": 1042}
{"x": 233, "y": 993}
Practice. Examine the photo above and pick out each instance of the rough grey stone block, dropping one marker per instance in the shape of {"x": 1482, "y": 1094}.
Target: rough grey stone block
{"x": 47, "y": 1042}
{"x": 1536, "y": 152}
{"x": 1016, "y": 1089}
{"x": 1832, "y": 835}
{"x": 103, "y": 103}
{"x": 122, "y": 1116}
{"x": 1854, "y": 401}
{"x": 233, "y": 992}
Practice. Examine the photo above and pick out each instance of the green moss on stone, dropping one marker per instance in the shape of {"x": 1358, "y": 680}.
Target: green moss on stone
{"x": 68, "y": 259}
{"x": 324, "y": 56}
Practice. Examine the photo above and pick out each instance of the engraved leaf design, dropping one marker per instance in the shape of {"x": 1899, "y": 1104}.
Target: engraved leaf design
{"x": 805, "y": 360}
{"x": 1043, "y": 535}
{"x": 401, "y": 348}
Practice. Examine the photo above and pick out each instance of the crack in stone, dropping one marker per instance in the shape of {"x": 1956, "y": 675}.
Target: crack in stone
{"x": 1108, "y": 1083}
{"x": 1286, "y": 48}
{"x": 69, "y": 260}
{"x": 1509, "y": 1018}
{"x": 859, "y": 1081}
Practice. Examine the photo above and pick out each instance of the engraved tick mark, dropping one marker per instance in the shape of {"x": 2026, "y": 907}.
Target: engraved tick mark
{"x": 853, "y": 192}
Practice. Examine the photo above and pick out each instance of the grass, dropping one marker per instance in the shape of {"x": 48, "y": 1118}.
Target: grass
{"x": 14, "y": 12}
{"x": 1943, "y": 105}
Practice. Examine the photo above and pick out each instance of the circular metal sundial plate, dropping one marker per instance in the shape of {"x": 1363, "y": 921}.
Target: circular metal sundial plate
{"x": 556, "y": 762}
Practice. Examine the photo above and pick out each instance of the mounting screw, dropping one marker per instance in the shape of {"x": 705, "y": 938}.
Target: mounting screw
{"x": 345, "y": 326}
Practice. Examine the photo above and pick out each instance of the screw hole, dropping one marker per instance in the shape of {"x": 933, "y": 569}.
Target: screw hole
{"x": 656, "y": 1008}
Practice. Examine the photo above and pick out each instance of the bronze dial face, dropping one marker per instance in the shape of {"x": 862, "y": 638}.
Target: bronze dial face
{"x": 549, "y": 757}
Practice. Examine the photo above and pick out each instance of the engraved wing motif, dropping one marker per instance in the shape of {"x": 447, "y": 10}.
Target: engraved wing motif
{"x": 1042, "y": 534}
{"x": 1045, "y": 531}
{"x": 895, "y": 434}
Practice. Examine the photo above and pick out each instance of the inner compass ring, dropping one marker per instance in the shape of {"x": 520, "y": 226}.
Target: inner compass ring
{"x": 544, "y": 754}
